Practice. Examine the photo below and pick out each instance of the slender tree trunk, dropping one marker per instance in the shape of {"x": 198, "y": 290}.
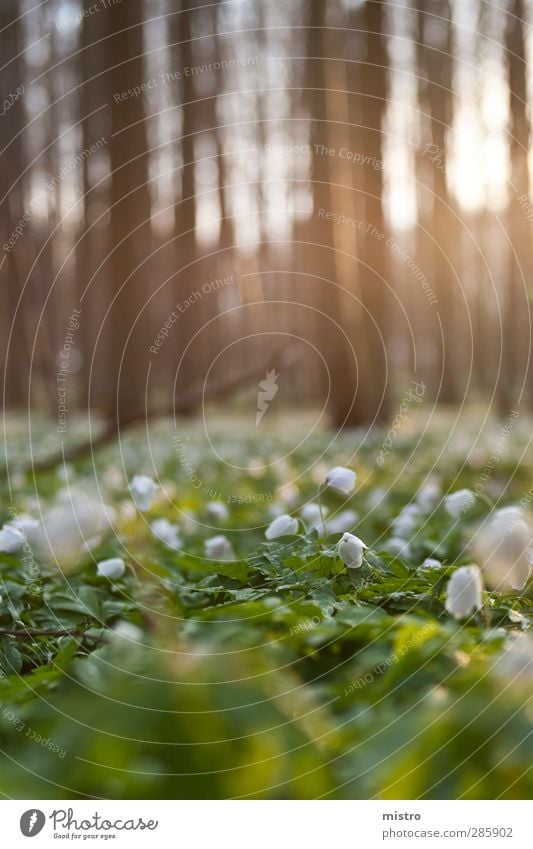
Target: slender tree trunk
{"x": 444, "y": 229}
{"x": 185, "y": 213}
{"x": 515, "y": 305}
{"x": 15, "y": 350}
{"x": 130, "y": 230}
{"x": 374, "y": 254}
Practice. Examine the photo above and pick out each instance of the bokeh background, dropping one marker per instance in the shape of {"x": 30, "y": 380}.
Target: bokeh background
{"x": 195, "y": 192}
{"x": 243, "y": 243}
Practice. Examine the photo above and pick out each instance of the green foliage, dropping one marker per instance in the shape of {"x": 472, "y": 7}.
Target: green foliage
{"x": 277, "y": 674}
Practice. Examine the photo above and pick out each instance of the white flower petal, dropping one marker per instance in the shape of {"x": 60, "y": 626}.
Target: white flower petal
{"x": 464, "y": 592}
{"x": 143, "y": 489}
{"x": 217, "y": 510}
{"x": 282, "y": 526}
{"x": 113, "y": 568}
{"x": 11, "y": 539}
{"x": 350, "y": 549}
{"x": 219, "y": 548}
{"x": 459, "y": 502}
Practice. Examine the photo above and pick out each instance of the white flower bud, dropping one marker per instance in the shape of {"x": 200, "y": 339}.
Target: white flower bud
{"x": 428, "y": 495}
{"x": 282, "y": 526}
{"x": 143, "y": 489}
{"x": 504, "y": 547}
{"x": 219, "y": 548}
{"x": 166, "y": 532}
{"x": 11, "y": 539}
{"x": 398, "y": 546}
{"x": 217, "y": 510}
{"x": 459, "y": 502}
{"x": 341, "y": 480}
{"x": 112, "y": 568}
{"x": 464, "y": 592}
{"x": 350, "y": 549}
{"x": 429, "y": 564}
{"x": 28, "y": 526}
{"x": 407, "y": 521}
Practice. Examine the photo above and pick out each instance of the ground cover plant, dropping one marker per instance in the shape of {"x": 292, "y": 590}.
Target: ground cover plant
{"x": 243, "y": 616}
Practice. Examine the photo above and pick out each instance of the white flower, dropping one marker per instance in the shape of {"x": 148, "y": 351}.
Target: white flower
{"x": 343, "y": 521}
{"x": 189, "y": 521}
{"x": 398, "y": 546}
{"x": 112, "y": 568}
{"x": 464, "y": 592}
{"x": 516, "y": 662}
{"x": 11, "y": 539}
{"x": 27, "y": 525}
{"x": 350, "y": 549}
{"x": 407, "y": 521}
{"x": 430, "y": 563}
{"x": 73, "y": 523}
{"x": 167, "y": 532}
{"x": 428, "y": 495}
{"x": 341, "y": 480}
{"x": 127, "y": 631}
{"x": 312, "y": 517}
{"x": 458, "y": 502}
{"x": 217, "y": 510}
{"x": 311, "y": 514}
{"x": 377, "y": 497}
{"x": 143, "y": 489}
{"x": 282, "y": 526}
{"x": 219, "y": 548}
{"x": 504, "y": 547}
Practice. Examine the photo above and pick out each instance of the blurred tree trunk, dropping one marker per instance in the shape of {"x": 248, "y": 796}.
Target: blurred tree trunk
{"x": 435, "y": 52}
{"x": 130, "y": 230}
{"x": 515, "y": 301}
{"x": 14, "y": 262}
{"x": 350, "y": 320}
{"x": 93, "y": 235}
{"x": 374, "y": 254}
{"x": 185, "y": 212}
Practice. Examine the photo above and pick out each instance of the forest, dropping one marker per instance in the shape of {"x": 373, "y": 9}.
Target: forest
{"x": 266, "y": 525}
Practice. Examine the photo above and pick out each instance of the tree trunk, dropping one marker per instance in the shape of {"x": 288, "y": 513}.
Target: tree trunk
{"x": 130, "y": 230}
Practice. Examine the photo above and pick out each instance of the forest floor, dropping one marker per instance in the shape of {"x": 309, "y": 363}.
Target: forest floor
{"x": 247, "y": 667}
